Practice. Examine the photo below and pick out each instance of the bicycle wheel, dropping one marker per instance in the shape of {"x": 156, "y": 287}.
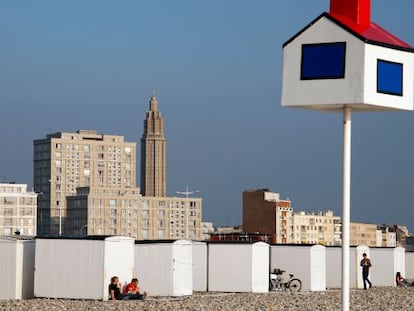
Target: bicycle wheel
{"x": 294, "y": 285}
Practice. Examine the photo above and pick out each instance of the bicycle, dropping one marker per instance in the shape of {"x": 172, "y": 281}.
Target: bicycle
{"x": 277, "y": 282}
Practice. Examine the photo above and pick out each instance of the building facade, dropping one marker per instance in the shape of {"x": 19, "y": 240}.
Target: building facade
{"x": 265, "y": 213}
{"x": 363, "y": 234}
{"x": 17, "y": 210}
{"x": 113, "y": 211}
{"x": 316, "y": 228}
{"x": 153, "y": 153}
{"x": 64, "y": 161}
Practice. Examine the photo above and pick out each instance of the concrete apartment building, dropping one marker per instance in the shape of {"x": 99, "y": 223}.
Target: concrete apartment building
{"x": 88, "y": 186}
{"x": 372, "y": 235}
{"x": 265, "y": 213}
{"x": 17, "y": 210}
{"x": 363, "y": 234}
{"x": 316, "y": 228}
{"x": 64, "y": 161}
{"x": 112, "y": 211}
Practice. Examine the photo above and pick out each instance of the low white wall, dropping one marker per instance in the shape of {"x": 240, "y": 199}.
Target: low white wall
{"x": 334, "y": 266}
{"x": 409, "y": 265}
{"x": 386, "y": 262}
{"x": 238, "y": 267}
{"x": 307, "y": 263}
{"x": 200, "y": 266}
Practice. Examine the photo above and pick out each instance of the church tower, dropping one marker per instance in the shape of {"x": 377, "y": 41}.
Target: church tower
{"x": 153, "y": 153}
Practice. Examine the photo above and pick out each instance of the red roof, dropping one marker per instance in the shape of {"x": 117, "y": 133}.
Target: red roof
{"x": 372, "y": 32}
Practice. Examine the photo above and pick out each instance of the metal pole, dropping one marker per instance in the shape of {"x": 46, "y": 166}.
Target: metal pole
{"x": 346, "y": 200}
{"x": 60, "y": 220}
{"x": 186, "y": 212}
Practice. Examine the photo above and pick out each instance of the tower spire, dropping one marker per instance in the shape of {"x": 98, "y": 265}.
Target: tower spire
{"x": 153, "y": 153}
{"x": 153, "y": 102}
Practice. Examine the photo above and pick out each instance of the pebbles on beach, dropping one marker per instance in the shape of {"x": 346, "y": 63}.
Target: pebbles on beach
{"x": 384, "y": 298}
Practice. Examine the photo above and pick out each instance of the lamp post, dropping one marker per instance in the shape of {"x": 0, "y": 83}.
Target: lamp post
{"x": 60, "y": 208}
{"x": 186, "y": 193}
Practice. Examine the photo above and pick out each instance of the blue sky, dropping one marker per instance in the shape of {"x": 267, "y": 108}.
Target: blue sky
{"x": 216, "y": 68}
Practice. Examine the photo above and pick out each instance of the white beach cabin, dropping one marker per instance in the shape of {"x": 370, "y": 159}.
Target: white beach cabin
{"x": 164, "y": 268}
{"x": 307, "y": 263}
{"x": 238, "y": 267}
{"x": 17, "y": 257}
{"x": 81, "y": 268}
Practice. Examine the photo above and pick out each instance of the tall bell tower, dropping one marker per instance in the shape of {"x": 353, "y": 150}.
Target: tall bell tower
{"x": 153, "y": 153}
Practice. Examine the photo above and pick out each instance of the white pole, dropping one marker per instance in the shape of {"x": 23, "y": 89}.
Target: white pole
{"x": 346, "y": 200}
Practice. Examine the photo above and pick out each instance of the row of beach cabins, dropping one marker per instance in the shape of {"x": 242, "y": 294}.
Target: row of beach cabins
{"x": 81, "y": 268}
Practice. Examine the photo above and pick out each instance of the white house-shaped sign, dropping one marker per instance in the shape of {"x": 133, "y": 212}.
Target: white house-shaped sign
{"x": 343, "y": 59}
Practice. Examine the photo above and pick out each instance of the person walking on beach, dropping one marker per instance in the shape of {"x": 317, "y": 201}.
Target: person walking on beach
{"x": 365, "y": 264}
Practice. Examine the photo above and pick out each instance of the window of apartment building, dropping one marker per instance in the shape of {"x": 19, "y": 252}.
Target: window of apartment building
{"x": 112, "y": 222}
{"x": 8, "y": 212}
{"x": 112, "y": 203}
{"x": 145, "y": 204}
{"x": 145, "y": 214}
{"x": 112, "y": 212}
{"x": 193, "y": 233}
{"x": 161, "y": 234}
{"x": 193, "y": 213}
{"x": 145, "y": 223}
{"x": 161, "y": 223}
{"x": 8, "y": 200}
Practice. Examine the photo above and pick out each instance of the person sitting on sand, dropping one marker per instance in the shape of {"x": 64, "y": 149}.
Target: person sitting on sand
{"x": 133, "y": 291}
{"x": 115, "y": 289}
{"x": 401, "y": 282}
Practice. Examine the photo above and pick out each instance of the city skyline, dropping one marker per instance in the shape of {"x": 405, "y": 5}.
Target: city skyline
{"x": 216, "y": 71}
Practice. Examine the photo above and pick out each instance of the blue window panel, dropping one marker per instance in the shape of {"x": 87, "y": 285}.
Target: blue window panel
{"x": 323, "y": 61}
{"x": 389, "y": 77}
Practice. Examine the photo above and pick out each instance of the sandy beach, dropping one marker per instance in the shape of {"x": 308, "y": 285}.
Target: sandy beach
{"x": 384, "y": 298}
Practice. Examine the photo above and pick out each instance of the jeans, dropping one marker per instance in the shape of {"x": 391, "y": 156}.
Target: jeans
{"x": 365, "y": 280}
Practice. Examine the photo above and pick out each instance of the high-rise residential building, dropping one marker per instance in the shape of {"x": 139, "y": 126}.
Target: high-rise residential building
{"x": 64, "y": 161}
{"x": 316, "y": 228}
{"x": 17, "y": 210}
{"x": 153, "y": 153}
{"x": 113, "y": 211}
{"x": 265, "y": 213}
